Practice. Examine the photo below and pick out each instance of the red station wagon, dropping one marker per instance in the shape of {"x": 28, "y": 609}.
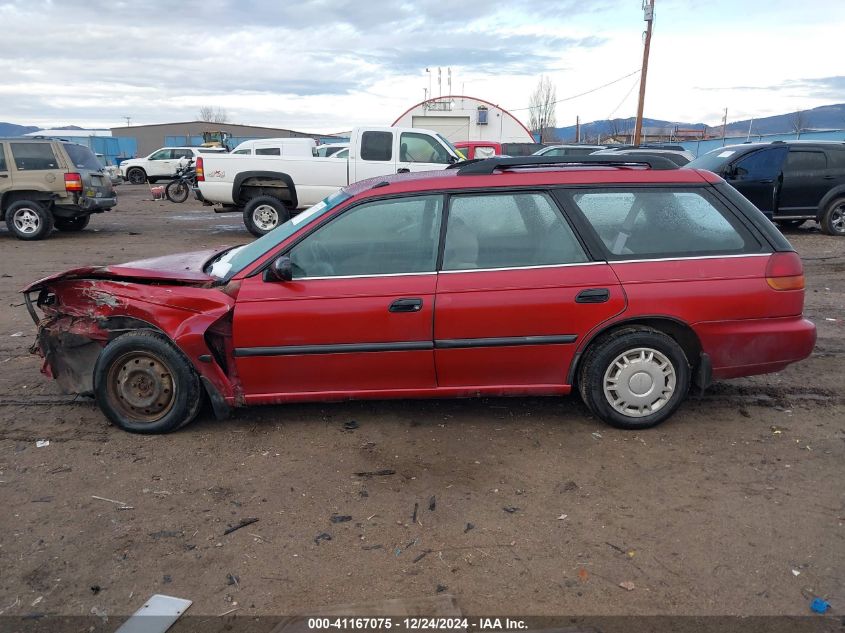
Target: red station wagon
{"x": 623, "y": 277}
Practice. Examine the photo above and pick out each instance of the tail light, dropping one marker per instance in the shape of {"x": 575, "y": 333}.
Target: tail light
{"x": 73, "y": 182}
{"x": 200, "y": 170}
{"x": 785, "y": 272}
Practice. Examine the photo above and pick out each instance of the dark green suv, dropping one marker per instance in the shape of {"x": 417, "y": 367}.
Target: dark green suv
{"x": 46, "y": 183}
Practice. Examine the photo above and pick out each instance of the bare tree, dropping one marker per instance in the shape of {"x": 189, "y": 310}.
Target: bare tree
{"x": 541, "y": 109}
{"x": 798, "y": 121}
{"x": 214, "y": 114}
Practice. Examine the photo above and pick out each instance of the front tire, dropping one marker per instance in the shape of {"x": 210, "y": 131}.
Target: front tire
{"x": 71, "y": 225}
{"x": 262, "y": 214}
{"x": 635, "y": 378}
{"x": 144, "y": 384}
{"x": 29, "y": 220}
{"x": 833, "y": 220}
{"x": 136, "y": 176}
{"x": 177, "y": 191}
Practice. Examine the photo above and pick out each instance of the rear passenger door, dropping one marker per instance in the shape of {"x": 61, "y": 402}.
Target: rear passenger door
{"x": 805, "y": 181}
{"x": 515, "y": 293}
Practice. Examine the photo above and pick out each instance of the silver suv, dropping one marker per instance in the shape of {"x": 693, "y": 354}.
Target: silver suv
{"x": 48, "y": 183}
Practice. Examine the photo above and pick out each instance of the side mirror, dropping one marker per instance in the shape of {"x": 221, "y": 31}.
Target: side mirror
{"x": 280, "y": 270}
{"x": 453, "y": 160}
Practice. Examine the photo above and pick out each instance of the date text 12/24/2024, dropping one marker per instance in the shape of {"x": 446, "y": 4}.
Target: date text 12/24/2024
{"x": 416, "y": 624}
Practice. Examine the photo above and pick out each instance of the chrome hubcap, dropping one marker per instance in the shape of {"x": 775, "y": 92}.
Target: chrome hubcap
{"x": 639, "y": 382}
{"x": 265, "y": 217}
{"x": 142, "y": 386}
{"x": 26, "y": 221}
{"x": 837, "y": 219}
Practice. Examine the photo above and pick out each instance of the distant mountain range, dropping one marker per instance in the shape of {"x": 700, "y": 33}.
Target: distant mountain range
{"x": 11, "y": 129}
{"x": 831, "y": 117}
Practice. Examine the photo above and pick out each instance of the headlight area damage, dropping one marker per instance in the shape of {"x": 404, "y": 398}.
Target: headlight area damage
{"x": 79, "y": 312}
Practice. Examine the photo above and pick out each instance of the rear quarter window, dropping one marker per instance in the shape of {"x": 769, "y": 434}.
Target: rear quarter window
{"x": 660, "y": 222}
{"x": 34, "y": 156}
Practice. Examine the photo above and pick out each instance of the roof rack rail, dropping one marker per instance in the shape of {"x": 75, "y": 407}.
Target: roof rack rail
{"x": 489, "y": 165}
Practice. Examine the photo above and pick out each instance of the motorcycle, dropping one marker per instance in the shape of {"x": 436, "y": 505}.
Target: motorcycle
{"x": 186, "y": 178}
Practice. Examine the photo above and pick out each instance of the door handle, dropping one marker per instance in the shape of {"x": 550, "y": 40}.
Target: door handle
{"x": 767, "y": 181}
{"x": 4, "y": 175}
{"x": 403, "y": 170}
{"x": 593, "y": 295}
{"x": 406, "y": 305}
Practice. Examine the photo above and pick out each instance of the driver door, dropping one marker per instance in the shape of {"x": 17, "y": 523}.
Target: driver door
{"x": 758, "y": 177}
{"x": 357, "y": 317}
{"x": 421, "y": 152}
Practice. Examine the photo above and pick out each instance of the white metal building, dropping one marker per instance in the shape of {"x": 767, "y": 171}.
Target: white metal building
{"x": 462, "y": 118}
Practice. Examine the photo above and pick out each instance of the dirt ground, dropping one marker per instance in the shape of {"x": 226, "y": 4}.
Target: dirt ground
{"x": 734, "y": 506}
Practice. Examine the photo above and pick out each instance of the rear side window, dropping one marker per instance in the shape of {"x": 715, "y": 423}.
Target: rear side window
{"x": 34, "y": 156}
{"x": 268, "y": 151}
{"x": 82, "y": 157}
{"x": 377, "y": 145}
{"x": 2, "y": 159}
{"x": 658, "y": 223}
{"x": 804, "y": 160}
{"x": 507, "y": 231}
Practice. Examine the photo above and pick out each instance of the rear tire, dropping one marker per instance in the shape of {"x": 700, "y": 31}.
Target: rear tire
{"x": 262, "y": 214}
{"x": 136, "y": 176}
{"x": 177, "y": 191}
{"x": 833, "y": 220}
{"x": 73, "y": 224}
{"x": 29, "y": 220}
{"x": 144, "y": 384}
{"x": 635, "y": 378}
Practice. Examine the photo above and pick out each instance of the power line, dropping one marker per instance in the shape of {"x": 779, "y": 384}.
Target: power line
{"x": 625, "y": 98}
{"x": 581, "y": 94}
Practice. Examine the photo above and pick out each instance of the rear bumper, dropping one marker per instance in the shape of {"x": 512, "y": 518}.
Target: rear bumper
{"x": 755, "y": 346}
{"x": 88, "y": 205}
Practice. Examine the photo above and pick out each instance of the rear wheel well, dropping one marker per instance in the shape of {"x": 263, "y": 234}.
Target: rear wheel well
{"x": 264, "y": 186}
{"x": 682, "y": 334}
{"x": 10, "y": 197}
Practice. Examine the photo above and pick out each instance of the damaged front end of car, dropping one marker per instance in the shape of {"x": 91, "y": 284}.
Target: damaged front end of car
{"x": 79, "y": 312}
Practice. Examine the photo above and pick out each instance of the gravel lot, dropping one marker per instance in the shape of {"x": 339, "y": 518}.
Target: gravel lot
{"x": 735, "y": 506}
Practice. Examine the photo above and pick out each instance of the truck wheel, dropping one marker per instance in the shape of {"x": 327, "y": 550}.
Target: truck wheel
{"x": 29, "y": 220}
{"x": 635, "y": 378}
{"x": 262, "y": 214}
{"x": 73, "y": 224}
{"x": 136, "y": 176}
{"x": 833, "y": 219}
{"x": 144, "y": 384}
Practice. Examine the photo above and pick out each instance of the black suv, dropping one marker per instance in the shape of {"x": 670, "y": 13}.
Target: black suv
{"x": 46, "y": 183}
{"x": 789, "y": 181}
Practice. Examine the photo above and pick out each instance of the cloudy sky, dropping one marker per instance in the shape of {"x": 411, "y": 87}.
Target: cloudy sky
{"x": 327, "y": 65}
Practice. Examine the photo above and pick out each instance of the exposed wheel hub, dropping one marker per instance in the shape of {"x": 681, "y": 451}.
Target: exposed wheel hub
{"x": 639, "y": 382}
{"x": 142, "y": 386}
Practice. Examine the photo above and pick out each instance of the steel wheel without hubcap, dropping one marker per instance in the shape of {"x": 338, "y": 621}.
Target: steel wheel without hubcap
{"x": 265, "y": 217}
{"x": 639, "y": 382}
{"x": 142, "y": 386}
{"x": 26, "y": 221}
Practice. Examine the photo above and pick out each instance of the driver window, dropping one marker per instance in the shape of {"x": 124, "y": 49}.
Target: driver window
{"x": 386, "y": 237}
{"x": 162, "y": 154}
{"x": 421, "y": 148}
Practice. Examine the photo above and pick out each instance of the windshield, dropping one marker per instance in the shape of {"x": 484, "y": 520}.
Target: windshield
{"x": 235, "y": 260}
{"x": 82, "y": 157}
{"x": 450, "y": 146}
{"x": 714, "y": 160}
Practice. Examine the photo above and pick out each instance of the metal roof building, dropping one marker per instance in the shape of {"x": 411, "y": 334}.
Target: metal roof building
{"x": 463, "y": 118}
{"x": 152, "y": 137}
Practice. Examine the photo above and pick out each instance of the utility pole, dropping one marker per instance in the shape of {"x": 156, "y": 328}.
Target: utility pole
{"x": 128, "y": 120}
{"x": 648, "y": 16}
{"x": 577, "y": 129}
{"x": 724, "y": 125}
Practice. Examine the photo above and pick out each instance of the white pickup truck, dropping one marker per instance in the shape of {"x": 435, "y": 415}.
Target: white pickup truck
{"x": 268, "y": 189}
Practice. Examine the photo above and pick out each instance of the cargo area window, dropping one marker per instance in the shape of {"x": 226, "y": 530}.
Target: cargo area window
{"x": 662, "y": 223}
{"x": 507, "y": 231}
{"x": 3, "y": 159}
{"x": 33, "y": 156}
